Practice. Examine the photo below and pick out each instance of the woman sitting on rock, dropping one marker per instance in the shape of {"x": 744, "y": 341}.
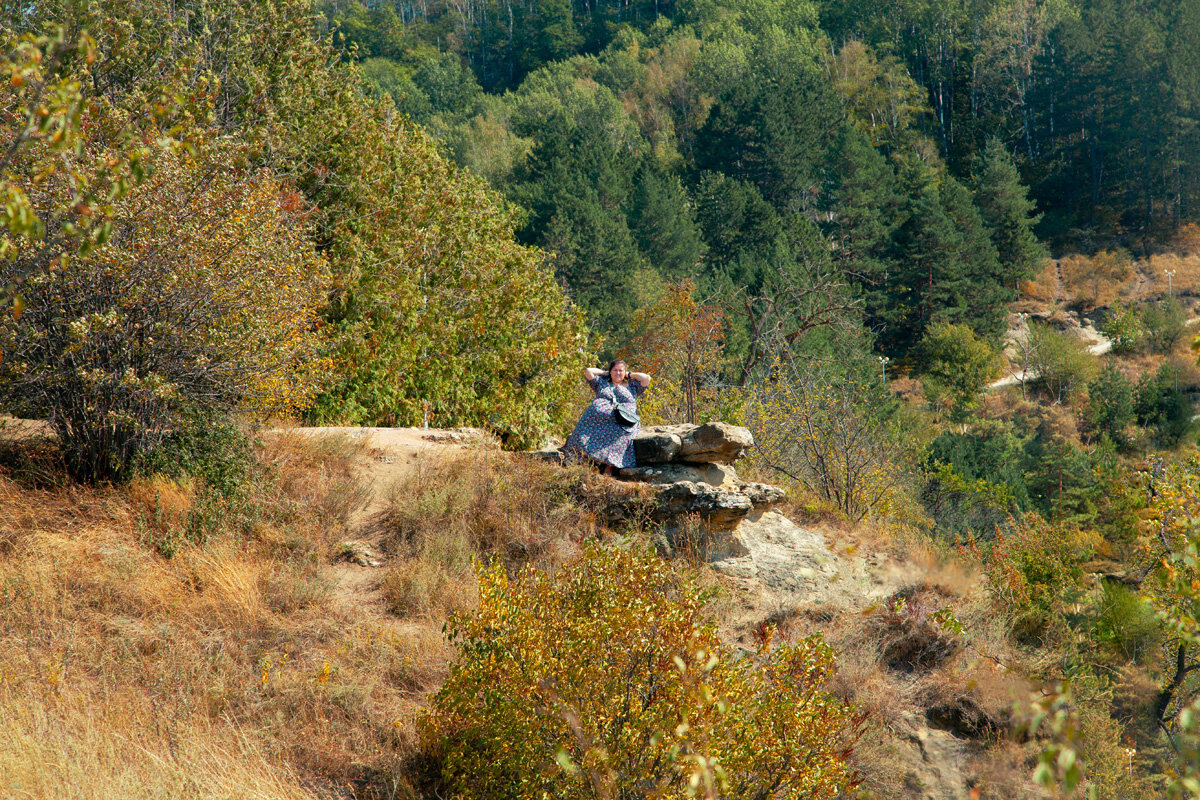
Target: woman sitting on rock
{"x": 602, "y": 434}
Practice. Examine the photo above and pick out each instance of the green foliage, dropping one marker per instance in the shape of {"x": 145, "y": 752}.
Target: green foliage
{"x": 1164, "y": 322}
{"x": 1008, "y": 214}
{"x": 1060, "y": 361}
{"x": 212, "y": 450}
{"x": 1110, "y": 406}
{"x": 205, "y": 297}
{"x": 963, "y": 509}
{"x": 828, "y": 431}
{"x": 1123, "y": 325}
{"x": 45, "y": 113}
{"x": 1128, "y": 624}
{"x": 607, "y": 680}
{"x": 1032, "y": 569}
{"x": 989, "y": 450}
{"x": 1162, "y": 407}
{"x": 956, "y": 366}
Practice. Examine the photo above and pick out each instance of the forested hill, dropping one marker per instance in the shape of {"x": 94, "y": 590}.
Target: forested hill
{"x": 725, "y": 141}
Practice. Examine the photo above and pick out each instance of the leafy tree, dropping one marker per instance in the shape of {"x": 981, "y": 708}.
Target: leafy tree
{"x": 204, "y": 300}
{"x": 829, "y": 433}
{"x": 956, "y": 366}
{"x": 435, "y": 308}
{"x": 606, "y": 679}
{"x": 962, "y": 509}
{"x": 1124, "y": 327}
{"x": 1164, "y": 322}
{"x": 1060, "y": 361}
{"x": 988, "y": 450}
{"x": 678, "y": 341}
{"x": 772, "y": 125}
{"x": 1162, "y": 406}
{"x": 44, "y": 113}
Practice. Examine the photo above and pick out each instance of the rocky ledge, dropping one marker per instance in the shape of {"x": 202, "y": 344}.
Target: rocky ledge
{"x": 688, "y": 470}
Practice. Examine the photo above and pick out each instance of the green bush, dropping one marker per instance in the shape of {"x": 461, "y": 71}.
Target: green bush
{"x": 607, "y": 679}
{"x": 215, "y": 451}
{"x": 1110, "y": 407}
{"x": 1127, "y": 623}
{"x": 1123, "y": 326}
{"x": 1061, "y": 361}
{"x": 1162, "y": 407}
{"x": 956, "y": 366}
{"x": 1164, "y": 322}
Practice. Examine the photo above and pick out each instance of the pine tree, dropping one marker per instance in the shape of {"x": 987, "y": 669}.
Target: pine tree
{"x": 1008, "y": 213}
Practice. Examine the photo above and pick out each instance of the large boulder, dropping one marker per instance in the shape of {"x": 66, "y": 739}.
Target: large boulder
{"x": 710, "y": 443}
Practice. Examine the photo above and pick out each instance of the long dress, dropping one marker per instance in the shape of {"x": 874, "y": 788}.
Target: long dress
{"x": 597, "y": 434}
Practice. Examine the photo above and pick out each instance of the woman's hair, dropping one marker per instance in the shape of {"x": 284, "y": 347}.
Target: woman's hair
{"x": 612, "y": 364}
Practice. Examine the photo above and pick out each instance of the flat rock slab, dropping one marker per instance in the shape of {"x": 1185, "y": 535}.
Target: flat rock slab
{"x": 716, "y": 475}
{"x": 719, "y": 508}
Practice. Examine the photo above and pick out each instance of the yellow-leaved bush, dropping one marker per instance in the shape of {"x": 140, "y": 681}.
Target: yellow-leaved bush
{"x": 607, "y": 679}
{"x": 828, "y": 434}
{"x": 202, "y": 301}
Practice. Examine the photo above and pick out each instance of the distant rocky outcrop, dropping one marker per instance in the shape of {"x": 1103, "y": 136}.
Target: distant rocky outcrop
{"x": 685, "y": 473}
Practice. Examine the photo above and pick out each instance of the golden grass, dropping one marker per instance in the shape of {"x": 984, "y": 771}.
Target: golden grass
{"x": 77, "y": 749}
{"x": 221, "y": 672}
{"x": 1100, "y": 279}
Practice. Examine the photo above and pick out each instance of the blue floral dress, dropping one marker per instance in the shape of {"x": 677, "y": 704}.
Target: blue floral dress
{"x": 597, "y": 434}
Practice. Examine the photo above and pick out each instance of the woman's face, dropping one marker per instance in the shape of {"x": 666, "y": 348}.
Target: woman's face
{"x": 618, "y": 372}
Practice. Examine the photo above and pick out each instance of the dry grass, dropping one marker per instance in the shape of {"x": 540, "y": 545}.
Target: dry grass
{"x": 1102, "y": 278}
{"x": 219, "y": 672}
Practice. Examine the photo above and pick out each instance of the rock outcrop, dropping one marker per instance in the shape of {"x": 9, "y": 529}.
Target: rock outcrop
{"x": 690, "y": 470}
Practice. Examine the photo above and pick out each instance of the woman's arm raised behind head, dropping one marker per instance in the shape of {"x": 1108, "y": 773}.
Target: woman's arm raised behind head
{"x": 641, "y": 378}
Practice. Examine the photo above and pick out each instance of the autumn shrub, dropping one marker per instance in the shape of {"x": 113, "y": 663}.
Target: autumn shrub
{"x": 1032, "y": 569}
{"x": 607, "y": 679}
{"x": 678, "y": 341}
{"x": 203, "y": 302}
{"x": 1096, "y": 280}
{"x": 832, "y": 435}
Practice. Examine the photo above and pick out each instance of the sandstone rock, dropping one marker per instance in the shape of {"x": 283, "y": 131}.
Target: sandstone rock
{"x": 716, "y": 442}
{"x": 720, "y": 509}
{"x": 785, "y": 557}
{"x": 762, "y": 494}
{"x": 712, "y": 442}
{"x": 656, "y": 446}
{"x": 712, "y": 474}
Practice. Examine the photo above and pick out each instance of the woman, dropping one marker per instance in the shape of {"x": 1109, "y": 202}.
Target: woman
{"x": 598, "y": 435}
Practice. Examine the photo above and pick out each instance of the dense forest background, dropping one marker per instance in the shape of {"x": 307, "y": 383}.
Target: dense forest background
{"x": 744, "y": 144}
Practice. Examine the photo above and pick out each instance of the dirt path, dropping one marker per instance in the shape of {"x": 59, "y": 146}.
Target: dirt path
{"x": 386, "y": 458}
